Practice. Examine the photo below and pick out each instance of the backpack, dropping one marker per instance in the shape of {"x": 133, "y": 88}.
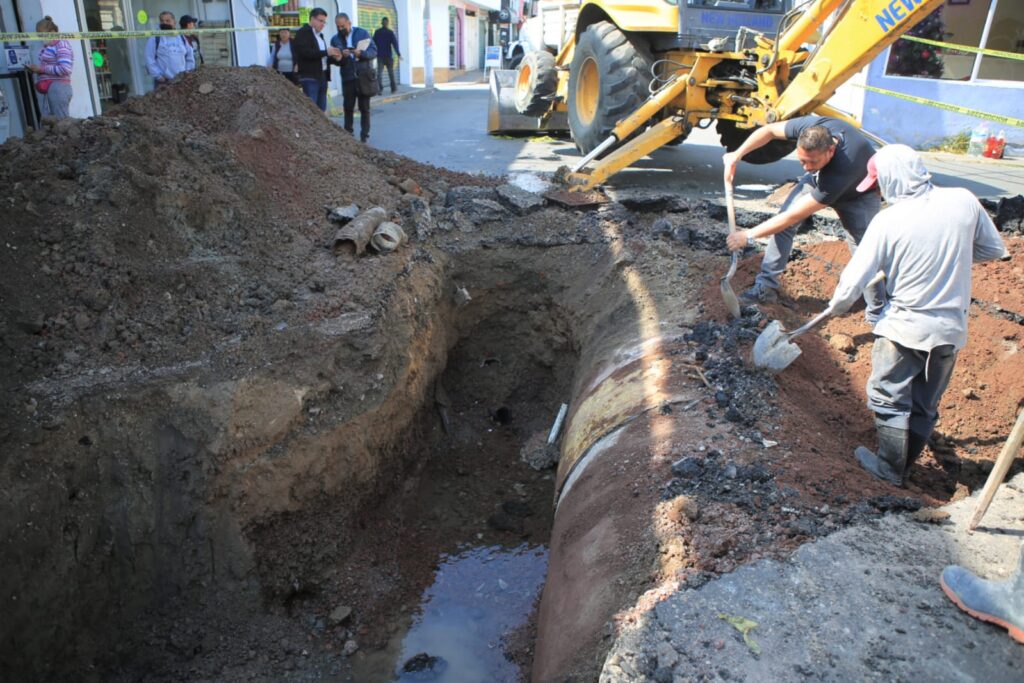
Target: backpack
{"x": 156, "y": 46}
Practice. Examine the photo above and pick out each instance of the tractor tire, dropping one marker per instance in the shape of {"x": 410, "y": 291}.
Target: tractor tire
{"x": 517, "y": 57}
{"x": 732, "y": 137}
{"x": 608, "y": 80}
{"x": 536, "y": 83}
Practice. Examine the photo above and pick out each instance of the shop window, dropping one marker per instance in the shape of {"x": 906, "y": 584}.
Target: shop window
{"x": 959, "y": 23}
{"x": 963, "y": 22}
{"x": 1006, "y": 34}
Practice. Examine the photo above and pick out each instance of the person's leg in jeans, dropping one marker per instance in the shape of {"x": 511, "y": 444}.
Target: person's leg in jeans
{"x": 310, "y": 88}
{"x": 856, "y": 216}
{"x": 364, "y": 117}
{"x": 348, "y": 93}
{"x": 776, "y": 255}
{"x": 321, "y": 98}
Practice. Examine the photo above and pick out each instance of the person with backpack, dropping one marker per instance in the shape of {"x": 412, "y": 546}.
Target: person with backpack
{"x": 358, "y": 77}
{"x": 166, "y": 57}
{"x": 188, "y": 23}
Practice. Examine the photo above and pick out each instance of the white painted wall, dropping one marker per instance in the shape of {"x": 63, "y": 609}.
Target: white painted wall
{"x": 251, "y": 47}
{"x": 410, "y": 37}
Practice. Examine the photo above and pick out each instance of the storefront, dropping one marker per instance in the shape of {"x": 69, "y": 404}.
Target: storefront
{"x": 118, "y": 67}
{"x": 109, "y": 71}
{"x": 981, "y": 82}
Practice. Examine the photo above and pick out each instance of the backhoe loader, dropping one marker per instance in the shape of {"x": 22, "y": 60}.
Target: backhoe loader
{"x": 626, "y": 77}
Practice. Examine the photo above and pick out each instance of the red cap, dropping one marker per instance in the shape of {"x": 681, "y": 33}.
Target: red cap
{"x": 871, "y": 178}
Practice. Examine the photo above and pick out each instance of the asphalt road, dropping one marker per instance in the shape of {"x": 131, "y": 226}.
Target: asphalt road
{"x": 447, "y": 128}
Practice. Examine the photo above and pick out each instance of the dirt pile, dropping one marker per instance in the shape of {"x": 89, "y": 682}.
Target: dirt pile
{"x": 149, "y": 234}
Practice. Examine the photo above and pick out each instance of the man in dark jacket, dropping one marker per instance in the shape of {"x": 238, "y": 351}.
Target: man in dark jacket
{"x": 311, "y": 53}
{"x": 357, "y": 53}
{"x": 384, "y": 38}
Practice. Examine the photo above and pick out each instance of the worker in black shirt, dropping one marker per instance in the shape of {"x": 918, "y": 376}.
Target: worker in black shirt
{"x": 834, "y": 154}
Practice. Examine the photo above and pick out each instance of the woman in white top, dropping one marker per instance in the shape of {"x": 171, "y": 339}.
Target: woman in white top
{"x": 281, "y": 59}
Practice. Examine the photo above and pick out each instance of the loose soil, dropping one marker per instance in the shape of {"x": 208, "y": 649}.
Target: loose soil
{"x": 215, "y": 431}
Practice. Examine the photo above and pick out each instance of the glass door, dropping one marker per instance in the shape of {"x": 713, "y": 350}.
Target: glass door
{"x": 111, "y": 59}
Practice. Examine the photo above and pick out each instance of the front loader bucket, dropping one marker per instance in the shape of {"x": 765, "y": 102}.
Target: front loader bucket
{"x": 502, "y": 116}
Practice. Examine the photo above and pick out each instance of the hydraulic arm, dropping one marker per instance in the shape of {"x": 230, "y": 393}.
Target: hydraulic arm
{"x": 772, "y": 81}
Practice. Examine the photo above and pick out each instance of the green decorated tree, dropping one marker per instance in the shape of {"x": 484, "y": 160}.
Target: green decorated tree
{"x": 908, "y": 58}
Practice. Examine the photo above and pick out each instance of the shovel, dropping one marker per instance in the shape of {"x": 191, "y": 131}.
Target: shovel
{"x": 774, "y": 349}
{"x": 729, "y": 296}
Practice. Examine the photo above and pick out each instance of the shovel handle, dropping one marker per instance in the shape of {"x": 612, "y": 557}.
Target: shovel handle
{"x": 730, "y": 207}
{"x": 809, "y": 324}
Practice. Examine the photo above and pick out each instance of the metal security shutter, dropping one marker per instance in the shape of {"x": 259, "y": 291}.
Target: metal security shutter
{"x": 370, "y": 14}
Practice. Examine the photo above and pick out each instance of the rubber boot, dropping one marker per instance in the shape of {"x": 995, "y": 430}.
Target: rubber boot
{"x": 997, "y": 602}
{"x": 890, "y": 463}
{"x": 915, "y": 446}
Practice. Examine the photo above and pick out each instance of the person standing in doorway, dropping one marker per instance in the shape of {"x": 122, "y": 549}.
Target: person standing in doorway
{"x": 166, "y": 57}
{"x": 385, "y": 41}
{"x": 311, "y": 52}
{"x": 282, "y": 60}
{"x": 188, "y": 23}
{"x": 357, "y": 53}
{"x": 53, "y": 73}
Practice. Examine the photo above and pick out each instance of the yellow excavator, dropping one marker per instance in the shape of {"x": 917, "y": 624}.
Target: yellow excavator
{"x": 626, "y": 77}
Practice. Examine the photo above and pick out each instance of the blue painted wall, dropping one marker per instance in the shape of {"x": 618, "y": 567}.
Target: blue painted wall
{"x": 920, "y": 125}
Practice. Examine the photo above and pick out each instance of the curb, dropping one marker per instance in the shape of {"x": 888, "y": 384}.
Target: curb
{"x": 398, "y": 97}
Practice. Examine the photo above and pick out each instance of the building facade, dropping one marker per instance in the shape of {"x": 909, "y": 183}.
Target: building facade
{"x": 107, "y": 72}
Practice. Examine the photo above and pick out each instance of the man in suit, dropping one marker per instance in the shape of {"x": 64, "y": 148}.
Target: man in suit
{"x": 311, "y": 53}
{"x": 356, "y": 62}
{"x": 385, "y": 40}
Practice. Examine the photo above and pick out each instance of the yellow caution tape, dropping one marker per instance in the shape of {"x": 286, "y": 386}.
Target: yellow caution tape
{"x": 967, "y": 48}
{"x": 111, "y": 35}
{"x": 998, "y": 118}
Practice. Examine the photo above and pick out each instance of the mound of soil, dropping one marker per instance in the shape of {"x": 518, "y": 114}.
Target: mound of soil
{"x": 148, "y": 234}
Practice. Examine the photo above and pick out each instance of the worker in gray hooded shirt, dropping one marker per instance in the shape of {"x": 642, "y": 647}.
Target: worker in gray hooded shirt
{"x": 924, "y": 243}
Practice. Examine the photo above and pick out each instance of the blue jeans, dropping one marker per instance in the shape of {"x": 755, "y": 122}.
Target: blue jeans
{"x": 855, "y": 216}
{"x": 316, "y": 90}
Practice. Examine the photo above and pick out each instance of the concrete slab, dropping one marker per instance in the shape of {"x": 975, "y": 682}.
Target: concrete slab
{"x": 861, "y": 604}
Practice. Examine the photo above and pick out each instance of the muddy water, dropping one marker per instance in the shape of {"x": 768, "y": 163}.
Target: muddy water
{"x": 445, "y": 574}
{"x": 460, "y": 631}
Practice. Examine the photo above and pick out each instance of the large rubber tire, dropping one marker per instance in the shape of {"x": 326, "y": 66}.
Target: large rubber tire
{"x": 536, "y": 82}
{"x": 732, "y": 137}
{"x": 608, "y": 80}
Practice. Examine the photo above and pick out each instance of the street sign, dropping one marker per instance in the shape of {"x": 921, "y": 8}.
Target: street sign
{"x": 493, "y": 57}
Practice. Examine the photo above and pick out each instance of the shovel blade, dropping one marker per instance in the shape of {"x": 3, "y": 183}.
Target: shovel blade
{"x": 772, "y": 350}
{"x": 729, "y": 296}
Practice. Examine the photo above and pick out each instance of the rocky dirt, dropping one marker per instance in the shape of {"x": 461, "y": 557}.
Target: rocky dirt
{"x": 216, "y": 431}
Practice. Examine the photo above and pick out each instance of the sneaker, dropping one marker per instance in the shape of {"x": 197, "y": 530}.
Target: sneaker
{"x": 759, "y": 294}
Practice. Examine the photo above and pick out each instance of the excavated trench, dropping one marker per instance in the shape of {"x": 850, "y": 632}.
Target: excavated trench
{"x": 362, "y": 510}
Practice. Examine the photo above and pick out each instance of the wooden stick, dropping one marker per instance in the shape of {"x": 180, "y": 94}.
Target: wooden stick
{"x": 999, "y": 470}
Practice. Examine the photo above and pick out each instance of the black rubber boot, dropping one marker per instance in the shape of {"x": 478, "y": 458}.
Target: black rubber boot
{"x": 915, "y": 445}
{"x": 890, "y": 463}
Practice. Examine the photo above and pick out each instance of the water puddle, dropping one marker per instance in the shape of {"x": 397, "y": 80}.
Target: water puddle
{"x": 462, "y": 629}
